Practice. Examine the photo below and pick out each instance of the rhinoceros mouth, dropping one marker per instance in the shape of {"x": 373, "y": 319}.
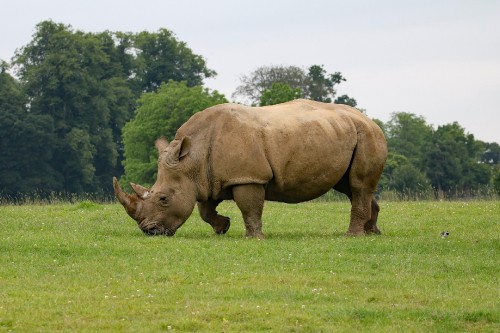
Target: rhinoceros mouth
{"x": 155, "y": 229}
{"x": 158, "y": 232}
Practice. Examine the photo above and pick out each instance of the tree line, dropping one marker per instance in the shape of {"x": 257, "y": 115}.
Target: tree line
{"x": 438, "y": 162}
{"x": 77, "y": 108}
{"x": 62, "y": 113}
{"x": 423, "y": 162}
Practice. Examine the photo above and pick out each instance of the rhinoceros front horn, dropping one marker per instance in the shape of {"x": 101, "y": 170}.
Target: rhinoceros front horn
{"x": 130, "y": 203}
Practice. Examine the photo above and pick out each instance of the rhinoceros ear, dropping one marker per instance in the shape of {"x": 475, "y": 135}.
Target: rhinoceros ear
{"x": 185, "y": 146}
{"x": 161, "y": 144}
{"x": 178, "y": 150}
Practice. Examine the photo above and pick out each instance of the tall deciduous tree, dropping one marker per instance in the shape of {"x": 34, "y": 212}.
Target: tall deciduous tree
{"x": 256, "y": 83}
{"x": 409, "y": 181}
{"x": 452, "y": 161}
{"x": 496, "y": 180}
{"x": 279, "y": 93}
{"x": 321, "y": 85}
{"x": 403, "y": 177}
{"x": 315, "y": 83}
{"x": 345, "y": 99}
{"x": 160, "y": 114}
{"x": 25, "y": 142}
{"x": 68, "y": 76}
{"x": 86, "y": 85}
{"x": 161, "y": 58}
{"x": 409, "y": 135}
{"x": 491, "y": 153}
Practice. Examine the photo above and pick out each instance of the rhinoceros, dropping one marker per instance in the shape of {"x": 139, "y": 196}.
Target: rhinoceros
{"x": 290, "y": 152}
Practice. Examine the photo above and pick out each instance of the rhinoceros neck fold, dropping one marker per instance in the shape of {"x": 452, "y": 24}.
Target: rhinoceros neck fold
{"x": 198, "y": 163}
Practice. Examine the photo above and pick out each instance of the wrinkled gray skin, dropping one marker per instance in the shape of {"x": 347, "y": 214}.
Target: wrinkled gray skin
{"x": 290, "y": 152}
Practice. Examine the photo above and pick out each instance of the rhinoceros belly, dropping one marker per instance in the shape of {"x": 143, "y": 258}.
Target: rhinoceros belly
{"x": 308, "y": 161}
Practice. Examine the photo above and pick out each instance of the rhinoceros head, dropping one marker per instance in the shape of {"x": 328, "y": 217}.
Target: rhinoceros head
{"x": 163, "y": 208}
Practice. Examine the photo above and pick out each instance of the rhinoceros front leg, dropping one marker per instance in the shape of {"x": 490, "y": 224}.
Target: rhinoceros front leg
{"x": 250, "y": 200}
{"x": 219, "y": 223}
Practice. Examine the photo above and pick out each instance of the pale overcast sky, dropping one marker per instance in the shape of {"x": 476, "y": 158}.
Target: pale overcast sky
{"x": 438, "y": 58}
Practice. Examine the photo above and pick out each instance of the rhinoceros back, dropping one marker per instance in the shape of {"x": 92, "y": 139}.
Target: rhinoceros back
{"x": 298, "y": 150}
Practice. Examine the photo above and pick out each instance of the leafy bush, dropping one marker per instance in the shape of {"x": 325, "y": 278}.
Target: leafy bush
{"x": 160, "y": 114}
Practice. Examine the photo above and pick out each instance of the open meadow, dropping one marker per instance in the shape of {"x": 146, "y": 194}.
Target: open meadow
{"x": 86, "y": 267}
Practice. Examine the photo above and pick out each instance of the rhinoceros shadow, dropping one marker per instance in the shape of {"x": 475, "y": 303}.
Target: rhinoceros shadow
{"x": 270, "y": 235}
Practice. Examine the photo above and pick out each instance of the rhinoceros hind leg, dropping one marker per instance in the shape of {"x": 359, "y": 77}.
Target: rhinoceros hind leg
{"x": 360, "y": 213}
{"x": 364, "y": 172}
{"x": 371, "y": 225}
{"x": 250, "y": 200}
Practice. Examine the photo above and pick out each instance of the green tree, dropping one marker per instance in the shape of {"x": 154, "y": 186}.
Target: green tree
{"x": 345, "y": 99}
{"x": 453, "y": 161}
{"x": 315, "y": 83}
{"x": 394, "y": 161}
{"x": 25, "y": 142}
{"x": 402, "y": 176}
{"x": 279, "y": 93}
{"x": 161, "y": 58}
{"x": 491, "y": 154}
{"x": 409, "y": 135}
{"x": 496, "y": 180}
{"x": 382, "y": 125}
{"x": 261, "y": 79}
{"x": 321, "y": 85}
{"x": 79, "y": 169}
{"x": 85, "y": 86}
{"x": 491, "y": 157}
{"x": 159, "y": 114}
{"x": 410, "y": 181}
{"x": 68, "y": 77}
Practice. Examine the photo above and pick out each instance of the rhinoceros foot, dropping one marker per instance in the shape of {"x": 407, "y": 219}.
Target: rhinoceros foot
{"x": 221, "y": 224}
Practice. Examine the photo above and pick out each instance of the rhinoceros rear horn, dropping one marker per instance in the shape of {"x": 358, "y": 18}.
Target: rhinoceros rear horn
{"x": 141, "y": 191}
{"x": 130, "y": 203}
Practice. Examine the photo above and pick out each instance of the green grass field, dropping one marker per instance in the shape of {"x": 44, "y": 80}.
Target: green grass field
{"x": 86, "y": 267}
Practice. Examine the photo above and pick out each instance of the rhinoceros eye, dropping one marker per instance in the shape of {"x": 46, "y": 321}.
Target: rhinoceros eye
{"x": 163, "y": 200}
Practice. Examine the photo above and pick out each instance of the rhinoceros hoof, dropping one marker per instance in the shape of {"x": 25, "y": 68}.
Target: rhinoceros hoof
{"x": 255, "y": 235}
{"x": 355, "y": 233}
{"x": 373, "y": 232}
{"x": 222, "y": 225}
